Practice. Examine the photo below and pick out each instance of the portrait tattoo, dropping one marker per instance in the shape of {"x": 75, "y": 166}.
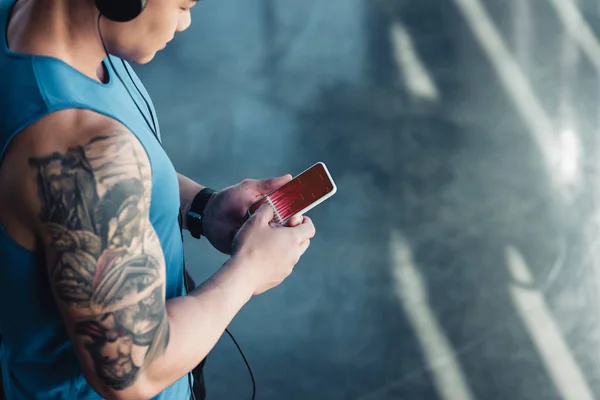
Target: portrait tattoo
{"x": 107, "y": 265}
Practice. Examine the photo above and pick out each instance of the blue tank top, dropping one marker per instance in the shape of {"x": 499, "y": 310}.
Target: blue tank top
{"x": 36, "y": 356}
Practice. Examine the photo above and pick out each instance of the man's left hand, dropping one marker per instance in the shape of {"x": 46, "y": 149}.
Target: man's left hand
{"x": 227, "y": 210}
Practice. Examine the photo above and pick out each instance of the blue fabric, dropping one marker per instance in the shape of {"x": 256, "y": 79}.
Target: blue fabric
{"x": 36, "y": 356}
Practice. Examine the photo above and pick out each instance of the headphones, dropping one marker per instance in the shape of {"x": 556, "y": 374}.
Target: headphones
{"x": 121, "y": 10}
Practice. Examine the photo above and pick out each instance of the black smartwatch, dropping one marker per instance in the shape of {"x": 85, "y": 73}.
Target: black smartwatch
{"x": 196, "y": 212}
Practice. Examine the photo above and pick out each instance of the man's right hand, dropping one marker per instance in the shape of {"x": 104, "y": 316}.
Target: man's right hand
{"x": 269, "y": 251}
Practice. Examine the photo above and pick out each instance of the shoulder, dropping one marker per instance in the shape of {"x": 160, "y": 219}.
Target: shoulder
{"x": 66, "y": 129}
{"x": 64, "y": 149}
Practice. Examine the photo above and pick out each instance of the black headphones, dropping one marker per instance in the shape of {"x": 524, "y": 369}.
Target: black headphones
{"x": 121, "y": 10}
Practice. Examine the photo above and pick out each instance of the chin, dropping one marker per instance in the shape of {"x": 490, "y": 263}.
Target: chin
{"x": 146, "y": 59}
{"x": 143, "y": 59}
{"x": 137, "y": 57}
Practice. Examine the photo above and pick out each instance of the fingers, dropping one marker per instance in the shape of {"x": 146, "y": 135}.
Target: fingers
{"x": 306, "y": 230}
{"x": 295, "y": 221}
{"x": 264, "y": 214}
{"x": 304, "y": 246}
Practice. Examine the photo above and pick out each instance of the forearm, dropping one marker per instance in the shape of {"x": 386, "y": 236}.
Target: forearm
{"x": 188, "y": 189}
{"x": 196, "y": 322}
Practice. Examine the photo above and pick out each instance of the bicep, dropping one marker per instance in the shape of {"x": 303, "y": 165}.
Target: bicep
{"x": 105, "y": 263}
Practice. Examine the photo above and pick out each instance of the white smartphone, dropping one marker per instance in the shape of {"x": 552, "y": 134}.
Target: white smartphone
{"x": 304, "y": 192}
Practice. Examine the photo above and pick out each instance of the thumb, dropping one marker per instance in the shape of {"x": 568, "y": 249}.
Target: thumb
{"x": 268, "y": 185}
{"x": 264, "y": 214}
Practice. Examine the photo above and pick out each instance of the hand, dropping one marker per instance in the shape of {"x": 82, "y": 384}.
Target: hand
{"x": 226, "y": 211}
{"x": 268, "y": 250}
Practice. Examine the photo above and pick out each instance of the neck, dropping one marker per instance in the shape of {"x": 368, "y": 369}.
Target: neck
{"x": 63, "y": 29}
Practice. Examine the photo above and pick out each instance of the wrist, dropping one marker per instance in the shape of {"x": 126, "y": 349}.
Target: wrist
{"x": 188, "y": 189}
{"x": 235, "y": 278}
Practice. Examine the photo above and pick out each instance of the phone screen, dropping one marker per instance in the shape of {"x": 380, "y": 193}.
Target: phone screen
{"x": 298, "y": 194}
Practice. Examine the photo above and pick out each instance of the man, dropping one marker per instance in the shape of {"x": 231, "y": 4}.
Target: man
{"x": 92, "y": 297}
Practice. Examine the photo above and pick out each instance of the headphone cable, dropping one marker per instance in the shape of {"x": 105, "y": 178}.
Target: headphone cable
{"x": 245, "y": 361}
{"x": 185, "y": 283}
{"x": 153, "y": 128}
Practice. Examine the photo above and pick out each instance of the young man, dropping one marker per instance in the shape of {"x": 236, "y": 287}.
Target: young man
{"x": 92, "y": 296}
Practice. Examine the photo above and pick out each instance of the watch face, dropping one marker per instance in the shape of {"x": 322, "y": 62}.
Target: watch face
{"x": 194, "y": 215}
{"x": 194, "y": 224}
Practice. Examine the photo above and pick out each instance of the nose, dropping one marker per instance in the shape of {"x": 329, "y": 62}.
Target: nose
{"x": 184, "y": 22}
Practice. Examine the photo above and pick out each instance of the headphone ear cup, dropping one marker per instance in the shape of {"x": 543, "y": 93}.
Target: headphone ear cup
{"x": 120, "y": 10}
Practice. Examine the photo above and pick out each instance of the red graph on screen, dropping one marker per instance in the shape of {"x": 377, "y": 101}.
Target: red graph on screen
{"x": 298, "y": 194}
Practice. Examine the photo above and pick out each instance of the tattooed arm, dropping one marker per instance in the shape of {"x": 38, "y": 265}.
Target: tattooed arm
{"x": 107, "y": 270}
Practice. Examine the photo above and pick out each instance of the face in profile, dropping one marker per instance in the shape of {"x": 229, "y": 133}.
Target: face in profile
{"x": 139, "y": 40}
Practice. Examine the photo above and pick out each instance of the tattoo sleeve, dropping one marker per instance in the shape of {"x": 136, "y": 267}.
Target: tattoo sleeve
{"x": 105, "y": 265}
